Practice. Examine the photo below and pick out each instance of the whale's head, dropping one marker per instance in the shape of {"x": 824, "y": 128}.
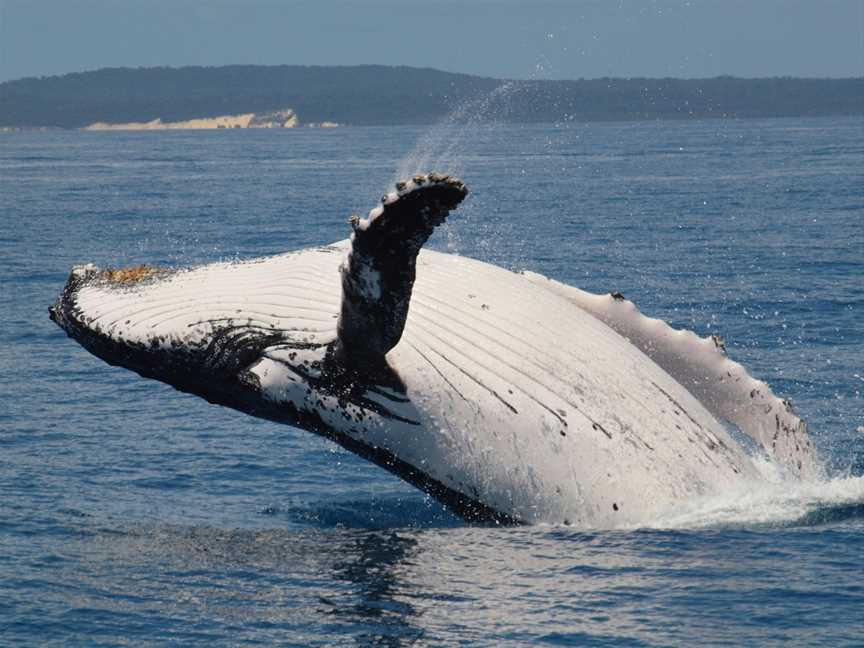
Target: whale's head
{"x": 277, "y": 337}
{"x": 300, "y": 338}
{"x": 202, "y": 329}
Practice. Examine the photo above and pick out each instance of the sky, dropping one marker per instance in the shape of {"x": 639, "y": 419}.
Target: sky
{"x": 541, "y": 39}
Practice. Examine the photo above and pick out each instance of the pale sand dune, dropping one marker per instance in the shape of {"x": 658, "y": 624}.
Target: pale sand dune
{"x": 275, "y": 119}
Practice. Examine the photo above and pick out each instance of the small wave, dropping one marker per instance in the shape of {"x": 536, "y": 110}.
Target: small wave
{"x": 379, "y": 513}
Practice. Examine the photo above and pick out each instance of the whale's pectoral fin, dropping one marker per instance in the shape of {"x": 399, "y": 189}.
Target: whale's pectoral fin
{"x": 379, "y": 270}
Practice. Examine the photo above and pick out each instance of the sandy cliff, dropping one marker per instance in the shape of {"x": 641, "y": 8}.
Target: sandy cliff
{"x": 285, "y": 118}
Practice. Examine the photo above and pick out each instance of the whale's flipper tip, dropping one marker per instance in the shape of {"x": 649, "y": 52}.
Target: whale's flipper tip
{"x": 411, "y": 212}
{"x": 379, "y": 271}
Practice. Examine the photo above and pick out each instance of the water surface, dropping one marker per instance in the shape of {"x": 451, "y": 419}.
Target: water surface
{"x": 133, "y": 514}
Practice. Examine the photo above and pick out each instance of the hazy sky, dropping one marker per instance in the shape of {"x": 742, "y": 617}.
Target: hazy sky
{"x": 502, "y": 38}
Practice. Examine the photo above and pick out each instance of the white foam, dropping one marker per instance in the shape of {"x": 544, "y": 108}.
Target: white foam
{"x": 770, "y": 503}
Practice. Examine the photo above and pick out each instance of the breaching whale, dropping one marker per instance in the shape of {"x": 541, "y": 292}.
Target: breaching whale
{"x": 509, "y": 397}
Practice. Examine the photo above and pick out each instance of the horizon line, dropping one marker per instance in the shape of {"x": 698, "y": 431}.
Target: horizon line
{"x": 427, "y": 69}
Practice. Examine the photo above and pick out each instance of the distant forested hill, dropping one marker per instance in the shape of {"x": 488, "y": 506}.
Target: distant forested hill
{"x": 371, "y": 94}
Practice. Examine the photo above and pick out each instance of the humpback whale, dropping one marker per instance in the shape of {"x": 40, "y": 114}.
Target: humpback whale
{"x": 509, "y": 397}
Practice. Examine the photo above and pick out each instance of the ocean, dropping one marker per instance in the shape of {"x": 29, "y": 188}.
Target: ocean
{"x": 132, "y": 514}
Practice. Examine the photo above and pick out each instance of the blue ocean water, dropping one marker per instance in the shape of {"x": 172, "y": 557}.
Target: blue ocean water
{"x": 131, "y": 514}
